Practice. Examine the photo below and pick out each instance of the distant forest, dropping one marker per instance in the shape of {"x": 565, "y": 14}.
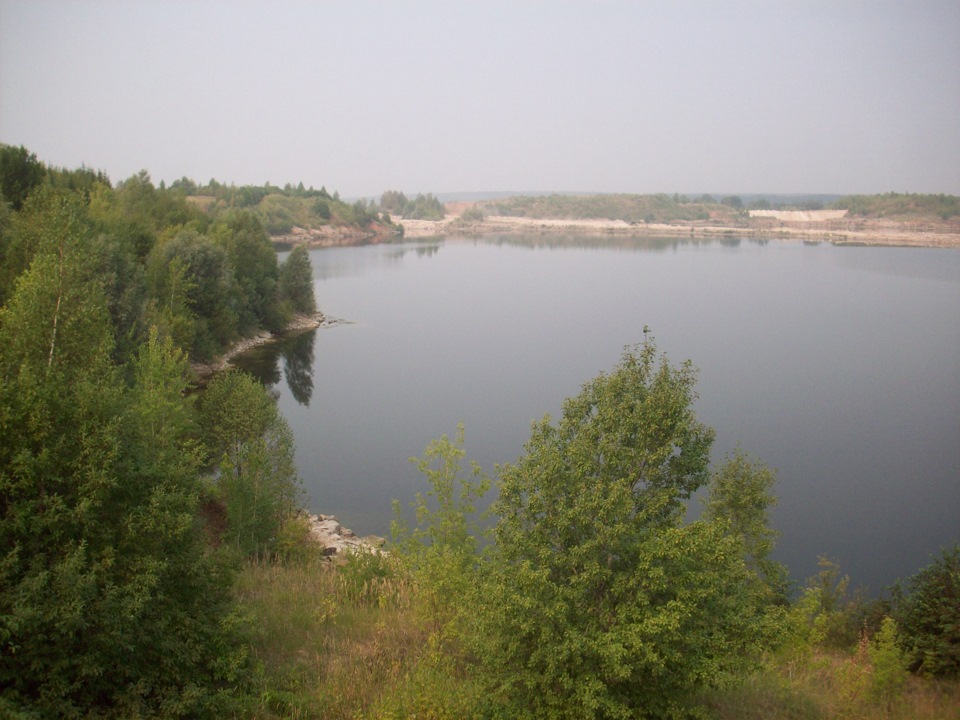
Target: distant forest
{"x": 663, "y": 208}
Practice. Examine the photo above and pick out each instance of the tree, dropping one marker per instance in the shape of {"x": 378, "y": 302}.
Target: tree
{"x": 252, "y": 446}
{"x": 20, "y": 173}
{"x": 253, "y": 263}
{"x": 296, "y": 282}
{"x": 393, "y": 201}
{"x": 600, "y": 601}
{"x": 927, "y": 611}
{"x": 108, "y": 600}
{"x": 441, "y": 550}
{"x": 740, "y": 495}
{"x": 190, "y": 279}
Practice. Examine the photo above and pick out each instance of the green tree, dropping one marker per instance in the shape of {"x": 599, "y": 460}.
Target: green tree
{"x": 393, "y": 201}
{"x": 927, "y": 610}
{"x": 253, "y": 263}
{"x": 296, "y": 282}
{"x": 253, "y": 449}
{"x": 740, "y": 494}
{"x": 889, "y": 663}
{"x": 190, "y": 279}
{"x": 441, "y": 550}
{"x": 20, "y": 173}
{"x": 600, "y": 601}
{"x": 108, "y": 601}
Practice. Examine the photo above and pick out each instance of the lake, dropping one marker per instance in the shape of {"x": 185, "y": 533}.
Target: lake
{"x": 838, "y": 366}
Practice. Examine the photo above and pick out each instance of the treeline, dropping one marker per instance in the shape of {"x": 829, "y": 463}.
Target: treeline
{"x": 422, "y": 207}
{"x": 281, "y": 209}
{"x": 901, "y": 206}
{"x": 203, "y": 279}
{"x": 663, "y": 208}
{"x": 660, "y": 208}
{"x": 126, "y": 506}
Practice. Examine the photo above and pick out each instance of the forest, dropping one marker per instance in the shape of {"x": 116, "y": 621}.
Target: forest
{"x": 156, "y": 561}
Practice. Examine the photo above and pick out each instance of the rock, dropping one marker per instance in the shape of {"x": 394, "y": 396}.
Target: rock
{"x": 335, "y": 539}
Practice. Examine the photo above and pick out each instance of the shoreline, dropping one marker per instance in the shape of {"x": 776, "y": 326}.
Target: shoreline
{"x": 298, "y": 324}
{"x": 836, "y": 231}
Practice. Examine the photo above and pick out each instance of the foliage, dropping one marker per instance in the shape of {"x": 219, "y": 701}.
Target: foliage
{"x": 422, "y": 207}
{"x": 740, "y": 495}
{"x": 20, "y": 173}
{"x": 253, "y": 264}
{"x": 601, "y": 602}
{"x": 889, "y": 663}
{"x": 296, "y": 282}
{"x": 108, "y": 602}
{"x": 393, "y": 201}
{"x": 901, "y": 206}
{"x": 253, "y": 448}
{"x": 191, "y": 285}
{"x": 441, "y": 551}
{"x": 928, "y": 613}
{"x": 473, "y": 214}
{"x": 660, "y": 208}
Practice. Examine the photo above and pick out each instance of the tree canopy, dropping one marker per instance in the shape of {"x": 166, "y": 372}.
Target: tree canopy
{"x": 602, "y": 602}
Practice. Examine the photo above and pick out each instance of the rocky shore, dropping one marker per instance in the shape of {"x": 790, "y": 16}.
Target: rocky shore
{"x": 337, "y": 540}
{"x": 299, "y": 324}
{"x": 335, "y": 236}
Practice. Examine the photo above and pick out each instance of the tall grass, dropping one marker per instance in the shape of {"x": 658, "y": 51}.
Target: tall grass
{"x": 829, "y": 686}
{"x": 342, "y": 641}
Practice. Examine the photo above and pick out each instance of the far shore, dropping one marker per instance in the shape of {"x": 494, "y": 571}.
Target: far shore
{"x": 833, "y": 229}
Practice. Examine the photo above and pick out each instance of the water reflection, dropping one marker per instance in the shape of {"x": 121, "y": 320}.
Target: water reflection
{"x": 608, "y": 242}
{"x": 297, "y": 356}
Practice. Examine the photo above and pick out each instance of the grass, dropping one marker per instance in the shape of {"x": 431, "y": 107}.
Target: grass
{"x": 347, "y": 641}
{"x": 342, "y": 641}
{"x": 829, "y": 686}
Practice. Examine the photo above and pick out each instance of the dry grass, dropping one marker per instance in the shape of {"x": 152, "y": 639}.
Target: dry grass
{"x": 338, "y": 642}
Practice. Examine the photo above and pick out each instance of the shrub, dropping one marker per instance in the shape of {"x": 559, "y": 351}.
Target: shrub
{"x": 928, "y": 614}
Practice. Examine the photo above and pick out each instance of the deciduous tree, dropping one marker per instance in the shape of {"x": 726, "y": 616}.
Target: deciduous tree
{"x": 599, "y": 600}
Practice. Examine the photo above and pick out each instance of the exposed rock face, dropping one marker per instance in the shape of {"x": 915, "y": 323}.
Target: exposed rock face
{"x": 337, "y": 540}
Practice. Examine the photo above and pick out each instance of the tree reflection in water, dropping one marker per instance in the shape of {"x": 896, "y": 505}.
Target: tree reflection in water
{"x": 298, "y": 366}
{"x": 263, "y": 363}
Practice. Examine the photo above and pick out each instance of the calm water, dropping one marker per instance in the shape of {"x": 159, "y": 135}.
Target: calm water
{"x": 839, "y": 366}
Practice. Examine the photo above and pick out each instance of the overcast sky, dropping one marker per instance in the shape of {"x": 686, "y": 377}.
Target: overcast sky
{"x": 723, "y": 97}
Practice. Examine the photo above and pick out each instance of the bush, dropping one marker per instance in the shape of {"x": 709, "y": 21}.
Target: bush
{"x": 473, "y": 214}
{"x": 889, "y": 663}
{"x": 928, "y": 613}
{"x": 600, "y": 601}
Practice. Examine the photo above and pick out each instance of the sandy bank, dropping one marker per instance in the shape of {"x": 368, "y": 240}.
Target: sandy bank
{"x": 840, "y": 230}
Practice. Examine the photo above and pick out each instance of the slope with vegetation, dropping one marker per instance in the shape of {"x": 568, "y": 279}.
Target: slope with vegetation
{"x": 153, "y": 562}
{"x": 902, "y": 206}
{"x": 115, "y": 597}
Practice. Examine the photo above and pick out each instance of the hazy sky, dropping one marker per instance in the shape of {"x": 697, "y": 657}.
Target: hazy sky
{"x": 767, "y": 96}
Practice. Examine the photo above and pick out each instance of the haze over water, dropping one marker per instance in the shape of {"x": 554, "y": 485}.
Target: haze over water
{"x": 839, "y": 366}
